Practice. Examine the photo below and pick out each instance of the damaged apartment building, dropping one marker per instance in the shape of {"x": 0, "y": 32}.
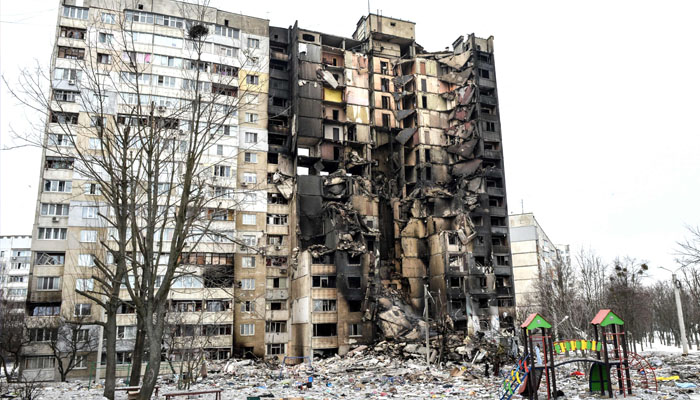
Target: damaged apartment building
{"x": 399, "y": 183}
{"x": 375, "y": 166}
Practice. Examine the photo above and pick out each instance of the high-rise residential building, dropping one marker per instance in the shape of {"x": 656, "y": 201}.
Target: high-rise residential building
{"x": 366, "y": 164}
{"x": 535, "y": 257}
{"x": 15, "y": 256}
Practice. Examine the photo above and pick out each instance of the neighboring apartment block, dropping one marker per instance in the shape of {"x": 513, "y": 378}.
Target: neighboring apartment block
{"x": 366, "y": 164}
{"x": 534, "y": 257}
{"x": 15, "y": 257}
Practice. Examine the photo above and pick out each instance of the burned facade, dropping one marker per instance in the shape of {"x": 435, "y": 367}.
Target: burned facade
{"x": 399, "y": 178}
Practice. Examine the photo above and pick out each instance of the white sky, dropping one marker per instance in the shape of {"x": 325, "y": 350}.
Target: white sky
{"x": 598, "y": 107}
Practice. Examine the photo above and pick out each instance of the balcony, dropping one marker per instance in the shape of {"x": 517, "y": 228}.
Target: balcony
{"x": 504, "y": 291}
{"x": 501, "y": 249}
{"x": 490, "y": 100}
{"x": 324, "y": 342}
{"x": 276, "y": 337}
{"x": 497, "y": 211}
{"x": 278, "y": 129}
{"x": 276, "y": 294}
{"x": 502, "y": 270}
{"x": 487, "y": 83}
{"x": 278, "y": 55}
{"x": 278, "y": 110}
{"x": 493, "y": 154}
{"x": 491, "y": 136}
{"x": 496, "y": 191}
{"x": 503, "y": 230}
{"x": 277, "y": 315}
{"x": 279, "y": 74}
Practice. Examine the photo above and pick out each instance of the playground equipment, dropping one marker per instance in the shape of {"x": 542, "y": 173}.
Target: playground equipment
{"x": 606, "y": 351}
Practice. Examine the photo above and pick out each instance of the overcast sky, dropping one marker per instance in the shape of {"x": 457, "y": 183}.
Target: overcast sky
{"x": 598, "y": 99}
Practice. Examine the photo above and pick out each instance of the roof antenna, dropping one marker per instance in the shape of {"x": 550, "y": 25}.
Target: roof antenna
{"x": 522, "y": 206}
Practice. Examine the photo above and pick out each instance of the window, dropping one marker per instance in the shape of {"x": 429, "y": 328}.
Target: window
{"x": 354, "y": 330}
{"x": 251, "y": 118}
{"x": 50, "y": 209}
{"x": 80, "y": 362}
{"x": 251, "y": 137}
{"x": 75, "y": 12}
{"x": 325, "y": 305}
{"x": 88, "y": 236}
{"x": 84, "y": 284}
{"x": 86, "y": 260}
{"x": 325, "y": 330}
{"x": 126, "y": 332}
{"x": 166, "y": 20}
{"x": 423, "y": 85}
{"x": 83, "y": 309}
{"x": 226, "y": 31}
{"x": 250, "y": 177}
{"x": 386, "y": 120}
{"x": 247, "y": 329}
{"x": 249, "y": 219}
{"x": 323, "y": 281}
{"x": 276, "y": 326}
{"x": 384, "y": 84}
{"x": 277, "y": 219}
{"x": 58, "y": 139}
{"x": 42, "y": 334}
{"x": 252, "y": 79}
{"x": 40, "y": 362}
{"x": 16, "y": 279}
{"x": 52, "y": 233}
{"x": 253, "y": 43}
{"x": 276, "y": 283}
{"x": 217, "y": 305}
{"x": 249, "y": 240}
{"x": 105, "y": 37}
{"x": 248, "y": 262}
{"x": 354, "y": 282}
{"x": 17, "y": 292}
{"x": 108, "y": 18}
{"x": 247, "y": 306}
{"x": 45, "y": 310}
{"x": 222, "y": 171}
{"x": 277, "y": 305}
{"x": 67, "y": 74}
{"x": 57, "y": 186}
{"x": 484, "y": 73}
{"x": 223, "y": 192}
{"x": 92, "y": 188}
{"x": 251, "y": 157}
{"x": 275, "y": 349}
{"x": 384, "y": 67}
{"x": 71, "y": 53}
{"x": 227, "y": 51}
{"x": 90, "y": 212}
{"x": 385, "y": 102}
{"x": 188, "y": 282}
{"x": 217, "y": 330}
{"x": 167, "y": 81}
{"x": 424, "y": 100}
{"x": 48, "y": 283}
{"x": 248, "y": 284}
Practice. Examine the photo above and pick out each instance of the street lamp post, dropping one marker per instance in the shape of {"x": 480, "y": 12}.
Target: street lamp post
{"x": 679, "y": 308}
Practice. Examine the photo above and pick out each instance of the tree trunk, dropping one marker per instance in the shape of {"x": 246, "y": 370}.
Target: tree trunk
{"x": 137, "y": 355}
{"x": 155, "y": 336}
{"x": 110, "y": 337}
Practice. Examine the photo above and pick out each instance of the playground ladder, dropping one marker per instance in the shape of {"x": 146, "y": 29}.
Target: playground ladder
{"x": 514, "y": 379}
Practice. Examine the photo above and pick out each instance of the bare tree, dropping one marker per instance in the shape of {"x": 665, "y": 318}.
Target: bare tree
{"x": 144, "y": 154}
{"x": 13, "y": 336}
{"x": 72, "y": 340}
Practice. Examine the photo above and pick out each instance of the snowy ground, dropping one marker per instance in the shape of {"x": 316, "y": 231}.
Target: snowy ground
{"x": 377, "y": 377}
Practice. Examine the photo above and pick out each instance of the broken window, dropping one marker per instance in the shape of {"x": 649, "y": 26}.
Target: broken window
{"x": 247, "y": 306}
{"x": 308, "y": 37}
{"x": 455, "y": 282}
{"x": 72, "y": 33}
{"x": 354, "y": 330}
{"x": 492, "y": 146}
{"x": 104, "y": 58}
{"x": 385, "y": 84}
{"x": 386, "y": 120}
{"x": 277, "y": 305}
{"x": 336, "y": 115}
{"x": 425, "y": 101}
{"x": 352, "y": 133}
{"x": 274, "y": 198}
{"x": 323, "y": 305}
{"x": 484, "y": 73}
{"x": 323, "y": 281}
{"x": 385, "y": 102}
{"x": 488, "y": 126}
{"x": 496, "y": 201}
{"x": 325, "y": 330}
{"x": 481, "y": 281}
{"x": 218, "y": 305}
{"x": 71, "y": 53}
{"x": 336, "y": 134}
{"x": 276, "y": 262}
{"x": 428, "y": 173}
{"x": 354, "y": 305}
{"x": 354, "y": 282}
{"x": 276, "y": 326}
{"x": 498, "y": 221}
{"x": 64, "y": 118}
{"x": 502, "y": 260}
{"x": 277, "y": 219}
{"x": 275, "y": 240}
{"x": 384, "y": 67}
{"x": 274, "y": 349}
{"x": 355, "y": 259}
{"x": 456, "y": 260}
{"x": 498, "y": 241}
{"x": 276, "y": 283}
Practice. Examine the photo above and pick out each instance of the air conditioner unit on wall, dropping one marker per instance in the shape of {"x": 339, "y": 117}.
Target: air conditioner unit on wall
{"x": 71, "y": 82}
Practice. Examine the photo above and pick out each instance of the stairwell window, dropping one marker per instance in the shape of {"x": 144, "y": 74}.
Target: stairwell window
{"x": 253, "y": 43}
{"x": 249, "y": 177}
{"x": 247, "y": 284}
{"x": 86, "y": 260}
{"x": 251, "y": 157}
{"x": 251, "y": 137}
{"x": 222, "y": 171}
{"x": 247, "y": 329}
{"x": 249, "y": 219}
{"x": 251, "y": 118}
{"x": 84, "y": 284}
{"x": 88, "y": 236}
{"x": 83, "y": 310}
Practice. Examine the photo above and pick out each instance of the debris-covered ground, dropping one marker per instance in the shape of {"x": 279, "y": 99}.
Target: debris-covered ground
{"x": 395, "y": 370}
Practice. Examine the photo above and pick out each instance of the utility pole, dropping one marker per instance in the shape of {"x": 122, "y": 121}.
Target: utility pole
{"x": 679, "y": 308}
{"x": 426, "y": 297}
